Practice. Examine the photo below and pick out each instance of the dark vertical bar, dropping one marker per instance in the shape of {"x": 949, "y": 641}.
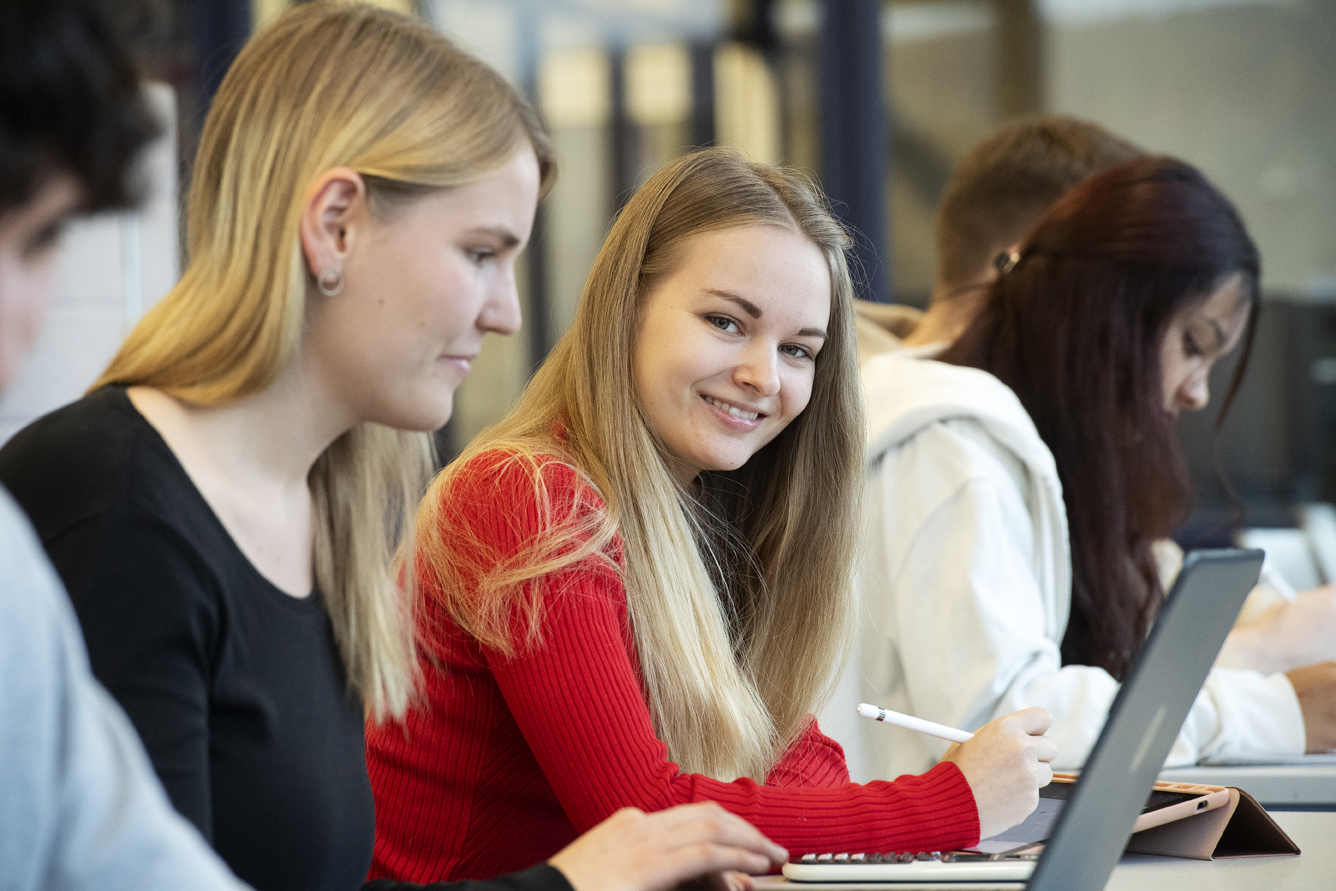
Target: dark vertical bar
{"x": 621, "y": 133}
{"x": 755, "y": 26}
{"x": 855, "y": 147}
{"x": 703, "y": 131}
{"x": 221, "y": 28}
{"x": 537, "y": 322}
{"x": 1020, "y": 38}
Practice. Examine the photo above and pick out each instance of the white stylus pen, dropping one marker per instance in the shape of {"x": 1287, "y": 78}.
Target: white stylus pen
{"x": 941, "y": 731}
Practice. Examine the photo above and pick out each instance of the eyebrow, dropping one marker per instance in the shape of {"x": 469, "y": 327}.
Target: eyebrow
{"x": 754, "y": 311}
{"x": 501, "y": 233}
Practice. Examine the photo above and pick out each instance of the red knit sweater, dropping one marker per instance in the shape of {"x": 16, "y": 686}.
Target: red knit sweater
{"x": 508, "y": 760}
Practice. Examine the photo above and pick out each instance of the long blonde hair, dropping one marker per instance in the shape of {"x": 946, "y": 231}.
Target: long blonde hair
{"x": 324, "y": 86}
{"x": 738, "y": 587}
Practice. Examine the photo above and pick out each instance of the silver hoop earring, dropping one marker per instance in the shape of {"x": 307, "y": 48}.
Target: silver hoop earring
{"x": 329, "y": 281}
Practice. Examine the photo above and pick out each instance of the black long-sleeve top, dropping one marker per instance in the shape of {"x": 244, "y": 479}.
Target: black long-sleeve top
{"x": 235, "y": 687}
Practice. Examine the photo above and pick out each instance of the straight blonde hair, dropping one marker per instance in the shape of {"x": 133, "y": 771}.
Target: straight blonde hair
{"x": 324, "y": 86}
{"x": 738, "y": 587}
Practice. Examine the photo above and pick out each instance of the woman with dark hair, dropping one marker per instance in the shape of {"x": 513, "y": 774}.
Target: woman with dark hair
{"x": 1019, "y": 482}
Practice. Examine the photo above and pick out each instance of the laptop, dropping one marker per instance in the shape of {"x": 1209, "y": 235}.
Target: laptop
{"x": 1092, "y": 829}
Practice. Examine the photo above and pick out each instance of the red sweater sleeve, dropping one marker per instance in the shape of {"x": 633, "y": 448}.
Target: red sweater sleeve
{"x": 505, "y": 746}
{"x": 602, "y": 753}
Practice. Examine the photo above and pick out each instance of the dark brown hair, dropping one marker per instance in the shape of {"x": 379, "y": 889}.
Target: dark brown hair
{"x": 1007, "y": 181}
{"x": 1075, "y": 329}
{"x": 70, "y": 102}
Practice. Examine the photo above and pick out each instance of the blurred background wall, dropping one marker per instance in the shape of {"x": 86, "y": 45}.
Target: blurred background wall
{"x": 879, "y": 98}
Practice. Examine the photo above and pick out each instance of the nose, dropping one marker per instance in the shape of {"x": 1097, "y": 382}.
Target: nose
{"x": 501, "y": 311}
{"x": 758, "y": 369}
{"x": 1195, "y": 393}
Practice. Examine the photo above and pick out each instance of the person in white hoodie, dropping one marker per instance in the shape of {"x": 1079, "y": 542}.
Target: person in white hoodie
{"x": 1012, "y": 505}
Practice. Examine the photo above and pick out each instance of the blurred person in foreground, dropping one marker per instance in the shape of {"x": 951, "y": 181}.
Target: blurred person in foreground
{"x": 80, "y": 806}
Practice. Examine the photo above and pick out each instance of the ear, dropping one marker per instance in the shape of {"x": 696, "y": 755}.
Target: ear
{"x": 335, "y": 209}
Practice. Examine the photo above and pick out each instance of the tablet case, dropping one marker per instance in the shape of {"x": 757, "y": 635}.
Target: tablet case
{"x": 1242, "y": 828}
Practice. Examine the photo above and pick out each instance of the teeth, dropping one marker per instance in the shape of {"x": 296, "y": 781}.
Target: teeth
{"x": 733, "y": 409}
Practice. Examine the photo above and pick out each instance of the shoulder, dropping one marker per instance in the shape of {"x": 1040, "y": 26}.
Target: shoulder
{"x": 953, "y": 462}
{"x": 908, "y": 398}
{"x": 74, "y": 462}
{"x": 116, "y": 513}
{"x": 531, "y": 490}
{"x": 510, "y": 472}
{"x": 104, "y": 413}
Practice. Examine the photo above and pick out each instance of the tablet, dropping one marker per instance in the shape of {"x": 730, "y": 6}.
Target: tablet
{"x": 1167, "y": 802}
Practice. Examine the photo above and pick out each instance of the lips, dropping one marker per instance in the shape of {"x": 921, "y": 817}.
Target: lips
{"x": 463, "y": 364}
{"x": 733, "y": 410}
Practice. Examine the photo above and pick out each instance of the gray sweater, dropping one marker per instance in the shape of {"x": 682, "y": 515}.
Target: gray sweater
{"x": 79, "y": 804}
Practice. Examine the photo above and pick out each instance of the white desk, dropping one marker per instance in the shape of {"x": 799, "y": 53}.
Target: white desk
{"x": 1313, "y": 870}
{"x": 1276, "y": 787}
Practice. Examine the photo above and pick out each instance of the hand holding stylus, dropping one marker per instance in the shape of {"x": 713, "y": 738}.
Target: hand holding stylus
{"x": 1005, "y": 763}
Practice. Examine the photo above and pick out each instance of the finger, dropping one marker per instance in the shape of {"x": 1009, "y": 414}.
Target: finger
{"x": 710, "y": 824}
{"x": 673, "y": 865}
{"x": 730, "y": 880}
{"x": 1035, "y": 720}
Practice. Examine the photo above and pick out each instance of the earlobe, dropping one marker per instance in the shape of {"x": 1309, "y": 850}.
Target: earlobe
{"x": 329, "y": 282}
{"x": 333, "y": 209}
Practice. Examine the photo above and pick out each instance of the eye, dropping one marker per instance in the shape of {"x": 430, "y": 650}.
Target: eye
{"x": 1191, "y": 348}
{"x": 796, "y": 350}
{"x": 723, "y": 323}
{"x": 44, "y": 239}
{"x": 480, "y": 255}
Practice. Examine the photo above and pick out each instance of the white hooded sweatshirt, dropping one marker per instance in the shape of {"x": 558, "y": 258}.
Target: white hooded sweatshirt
{"x": 966, "y": 588}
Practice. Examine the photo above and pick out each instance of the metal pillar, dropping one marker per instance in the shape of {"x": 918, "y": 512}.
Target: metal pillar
{"x": 702, "y": 95}
{"x": 1020, "y": 76}
{"x": 855, "y": 148}
{"x": 220, "y": 29}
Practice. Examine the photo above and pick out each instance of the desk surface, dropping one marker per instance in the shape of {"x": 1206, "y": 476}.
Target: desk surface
{"x": 1313, "y": 870}
{"x": 1274, "y": 786}
{"x": 1314, "y": 833}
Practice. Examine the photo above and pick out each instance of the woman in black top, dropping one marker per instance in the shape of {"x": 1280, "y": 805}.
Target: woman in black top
{"x": 224, "y": 506}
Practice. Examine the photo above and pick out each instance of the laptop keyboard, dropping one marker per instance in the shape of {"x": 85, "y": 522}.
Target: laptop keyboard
{"x": 910, "y": 857}
{"x": 897, "y": 866}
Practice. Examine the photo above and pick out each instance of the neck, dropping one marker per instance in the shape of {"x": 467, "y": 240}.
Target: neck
{"x": 951, "y": 311}
{"x": 272, "y": 437}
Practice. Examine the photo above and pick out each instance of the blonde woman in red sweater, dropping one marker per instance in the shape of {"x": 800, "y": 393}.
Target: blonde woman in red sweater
{"x": 635, "y": 587}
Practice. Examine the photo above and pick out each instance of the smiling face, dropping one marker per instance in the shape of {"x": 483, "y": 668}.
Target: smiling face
{"x": 1197, "y": 337}
{"x": 726, "y": 352}
{"x": 422, "y": 287}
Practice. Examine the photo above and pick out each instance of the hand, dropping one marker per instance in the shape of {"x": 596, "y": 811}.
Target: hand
{"x": 1315, "y": 685}
{"x": 1006, "y": 764}
{"x": 634, "y": 851}
{"x": 1286, "y": 635}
